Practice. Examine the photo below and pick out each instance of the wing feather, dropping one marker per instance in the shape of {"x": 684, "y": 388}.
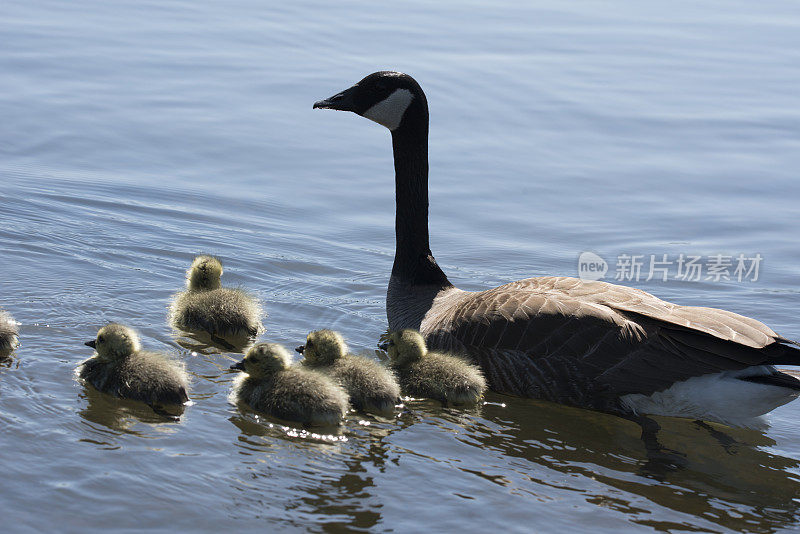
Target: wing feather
{"x": 587, "y": 343}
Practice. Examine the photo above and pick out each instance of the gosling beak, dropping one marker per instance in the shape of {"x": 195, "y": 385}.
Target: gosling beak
{"x": 343, "y": 101}
{"x": 239, "y": 366}
{"x": 383, "y": 346}
{"x": 92, "y": 343}
{"x": 300, "y": 349}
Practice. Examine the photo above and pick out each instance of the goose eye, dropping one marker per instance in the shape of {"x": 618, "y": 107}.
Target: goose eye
{"x": 309, "y": 344}
{"x": 100, "y": 339}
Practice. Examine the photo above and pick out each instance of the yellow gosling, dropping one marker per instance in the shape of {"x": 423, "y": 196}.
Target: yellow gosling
{"x": 271, "y": 385}
{"x": 207, "y": 307}
{"x": 9, "y": 334}
{"x": 433, "y": 375}
{"x": 372, "y": 387}
{"x": 120, "y": 367}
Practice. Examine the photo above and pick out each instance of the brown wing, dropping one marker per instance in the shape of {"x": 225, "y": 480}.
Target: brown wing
{"x": 587, "y": 343}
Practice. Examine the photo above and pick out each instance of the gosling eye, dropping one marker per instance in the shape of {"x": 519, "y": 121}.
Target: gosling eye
{"x": 309, "y": 344}
{"x": 391, "y": 343}
{"x": 101, "y": 339}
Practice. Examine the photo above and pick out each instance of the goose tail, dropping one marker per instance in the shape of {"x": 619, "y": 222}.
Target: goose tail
{"x": 783, "y": 352}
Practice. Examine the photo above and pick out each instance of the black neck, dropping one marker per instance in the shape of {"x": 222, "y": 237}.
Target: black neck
{"x": 413, "y": 262}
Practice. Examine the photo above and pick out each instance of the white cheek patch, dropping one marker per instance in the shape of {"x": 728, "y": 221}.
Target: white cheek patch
{"x": 389, "y": 111}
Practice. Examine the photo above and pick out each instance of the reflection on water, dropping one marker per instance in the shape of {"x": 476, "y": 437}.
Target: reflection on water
{"x": 528, "y": 448}
{"x": 732, "y": 488}
{"x": 123, "y": 415}
{"x": 335, "y": 485}
{"x": 289, "y": 428}
{"x": 206, "y": 343}
{"x": 253, "y": 424}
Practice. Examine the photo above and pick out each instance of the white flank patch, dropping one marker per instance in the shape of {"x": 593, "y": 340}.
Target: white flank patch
{"x": 719, "y": 397}
{"x": 389, "y": 111}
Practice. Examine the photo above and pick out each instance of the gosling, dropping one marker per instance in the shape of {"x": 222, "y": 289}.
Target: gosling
{"x": 9, "y": 334}
{"x": 120, "y": 367}
{"x": 207, "y": 307}
{"x": 270, "y": 384}
{"x": 372, "y": 387}
{"x": 433, "y": 375}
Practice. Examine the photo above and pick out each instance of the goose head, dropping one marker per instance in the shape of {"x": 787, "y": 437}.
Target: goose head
{"x": 204, "y": 273}
{"x": 392, "y": 99}
{"x": 263, "y": 360}
{"x": 323, "y": 347}
{"x": 405, "y": 347}
{"x": 115, "y": 341}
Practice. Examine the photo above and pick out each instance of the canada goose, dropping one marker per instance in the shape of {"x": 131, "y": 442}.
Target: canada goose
{"x": 371, "y": 386}
{"x": 589, "y": 344}
{"x": 271, "y": 385}
{"x": 432, "y": 375}
{"x": 207, "y": 307}
{"x": 9, "y": 334}
{"x": 120, "y": 367}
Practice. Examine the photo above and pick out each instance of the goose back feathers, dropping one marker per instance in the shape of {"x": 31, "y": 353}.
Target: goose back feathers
{"x": 589, "y": 343}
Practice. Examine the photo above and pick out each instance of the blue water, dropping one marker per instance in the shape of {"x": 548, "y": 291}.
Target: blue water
{"x": 135, "y": 135}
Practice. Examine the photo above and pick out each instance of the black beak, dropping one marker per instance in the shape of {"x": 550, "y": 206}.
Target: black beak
{"x": 300, "y": 349}
{"x": 383, "y": 346}
{"x": 342, "y": 101}
{"x": 92, "y": 343}
{"x": 239, "y": 366}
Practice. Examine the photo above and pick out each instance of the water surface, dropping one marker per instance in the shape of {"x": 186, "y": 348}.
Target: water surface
{"x": 135, "y": 135}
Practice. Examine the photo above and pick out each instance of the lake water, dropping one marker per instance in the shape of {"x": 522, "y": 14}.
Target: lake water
{"x": 135, "y": 135}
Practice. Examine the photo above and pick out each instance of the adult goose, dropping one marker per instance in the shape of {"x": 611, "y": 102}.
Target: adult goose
{"x": 588, "y": 344}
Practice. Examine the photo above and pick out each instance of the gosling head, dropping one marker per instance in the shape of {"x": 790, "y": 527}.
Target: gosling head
{"x": 392, "y": 99}
{"x": 405, "y": 347}
{"x": 264, "y": 359}
{"x": 204, "y": 273}
{"x": 115, "y": 341}
{"x": 323, "y": 347}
